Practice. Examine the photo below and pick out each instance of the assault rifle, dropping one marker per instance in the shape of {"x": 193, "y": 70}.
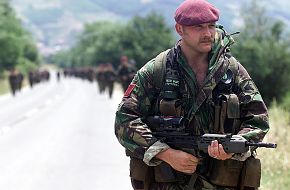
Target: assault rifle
{"x": 171, "y": 130}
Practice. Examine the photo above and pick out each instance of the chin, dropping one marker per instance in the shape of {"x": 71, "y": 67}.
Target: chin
{"x": 202, "y": 48}
{"x": 205, "y": 50}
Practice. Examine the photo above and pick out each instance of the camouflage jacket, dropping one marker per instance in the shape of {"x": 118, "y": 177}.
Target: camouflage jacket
{"x": 141, "y": 97}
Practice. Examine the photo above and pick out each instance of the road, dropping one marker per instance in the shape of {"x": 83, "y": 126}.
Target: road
{"x": 60, "y": 136}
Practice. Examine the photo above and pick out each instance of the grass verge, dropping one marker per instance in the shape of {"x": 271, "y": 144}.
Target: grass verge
{"x": 276, "y": 162}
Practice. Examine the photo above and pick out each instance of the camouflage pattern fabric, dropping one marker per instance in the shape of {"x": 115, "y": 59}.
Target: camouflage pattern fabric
{"x": 141, "y": 97}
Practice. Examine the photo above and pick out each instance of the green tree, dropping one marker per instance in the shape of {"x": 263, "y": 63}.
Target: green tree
{"x": 263, "y": 48}
{"x": 140, "y": 39}
{"x": 17, "y": 45}
{"x": 9, "y": 40}
{"x": 143, "y": 38}
{"x": 98, "y": 43}
{"x": 10, "y": 50}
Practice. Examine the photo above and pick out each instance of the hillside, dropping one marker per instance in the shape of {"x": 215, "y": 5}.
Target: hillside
{"x": 56, "y": 23}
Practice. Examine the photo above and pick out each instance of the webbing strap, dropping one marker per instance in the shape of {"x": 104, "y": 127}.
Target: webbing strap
{"x": 191, "y": 183}
{"x": 159, "y": 69}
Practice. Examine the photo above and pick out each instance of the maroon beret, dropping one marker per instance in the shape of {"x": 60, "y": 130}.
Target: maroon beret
{"x": 193, "y": 12}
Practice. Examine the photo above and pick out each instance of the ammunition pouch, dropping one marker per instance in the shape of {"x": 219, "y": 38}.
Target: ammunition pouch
{"x": 251, "y": 175}
{"x": 225, "y": 173}
{"x": 138, "y": 169}
{"x": 227, "y": 114}
{"x": 164, "y": 173}
{"x": 233, "y": 173}
{"x": 144, "y": 174}
{"x": 170, "y": 107}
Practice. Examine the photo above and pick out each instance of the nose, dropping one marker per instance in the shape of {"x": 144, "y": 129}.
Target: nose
{"x": 207, "y": 31}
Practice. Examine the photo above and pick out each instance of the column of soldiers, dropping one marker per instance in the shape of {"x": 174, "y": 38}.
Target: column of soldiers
{"x": 37, "y": 76}
{"x": 106, "y": 75}
{"x": 16, "y": 79}
{"x": 82, "y": 73}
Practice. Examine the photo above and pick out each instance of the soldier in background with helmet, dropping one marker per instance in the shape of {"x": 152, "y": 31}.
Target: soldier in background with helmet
{"x": 205, "y": 85}
{"x": 126, "y": 72}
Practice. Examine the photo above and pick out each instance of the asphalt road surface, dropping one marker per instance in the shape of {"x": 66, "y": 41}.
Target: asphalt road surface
{"x": 60, "y": 136}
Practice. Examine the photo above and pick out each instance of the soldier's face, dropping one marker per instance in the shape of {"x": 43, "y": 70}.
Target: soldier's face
{"x": 198, "y": 38}
{"x": 124, "y": 59}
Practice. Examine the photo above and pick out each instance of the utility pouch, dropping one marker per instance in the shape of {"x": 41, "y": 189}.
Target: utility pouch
{"x": 164, "y": 173}
{"x": 225, "y": 172}
{"x": 251, "y": 175}
{"x": 170, "y": 107}
{"x": 142, "y": 175}
{"x": 161, "y": 173}
{"x": 138, "y": 169}
{"x": 233, "y": 109}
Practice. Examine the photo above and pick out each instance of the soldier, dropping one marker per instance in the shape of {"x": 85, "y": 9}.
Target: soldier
{"x": 58, "y": 73}
{"x": 203, "y": 83}
{"x": 126, "y": 72}
{"x": 31, "y": 78}
{"x": 100, "y": 77}
{"x": 13, "y": 81}
{"x": 110, "y": 77}
{"x": 20, "y": 79}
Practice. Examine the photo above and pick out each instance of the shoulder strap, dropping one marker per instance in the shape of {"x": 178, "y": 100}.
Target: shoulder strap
{"x": 234, "y": 65}
{"x": 159, "y": 69}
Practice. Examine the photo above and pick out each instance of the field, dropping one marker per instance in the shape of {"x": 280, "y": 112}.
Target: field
{"x": 276, "y": 162}
{"x": 4, "y": 87}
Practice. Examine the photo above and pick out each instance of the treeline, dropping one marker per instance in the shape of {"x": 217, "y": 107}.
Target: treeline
{"x": 140, "y": 39}
{"x": 263, "y": 47}
{"x": 18, "y": 49}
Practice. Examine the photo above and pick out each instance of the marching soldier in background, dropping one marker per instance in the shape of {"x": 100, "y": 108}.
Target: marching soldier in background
{"x": 20, "y": 79}
{"x": 31, "y": 76}
{"x": 110, "y": 77}
{"x": 15, "y": 81}
{"x": 58, "y": 73}
{"x": 100, "y": 77}
{"x": 126, "y": 72}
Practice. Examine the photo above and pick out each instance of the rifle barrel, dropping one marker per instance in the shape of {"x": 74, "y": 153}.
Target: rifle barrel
{"x": 261, "y": 144}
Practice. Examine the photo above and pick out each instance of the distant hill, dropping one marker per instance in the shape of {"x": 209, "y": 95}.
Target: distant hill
{"x": 55, "y": 23}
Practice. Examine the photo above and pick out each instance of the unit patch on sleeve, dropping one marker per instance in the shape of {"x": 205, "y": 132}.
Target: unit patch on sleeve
{"x": 129, "y": 90}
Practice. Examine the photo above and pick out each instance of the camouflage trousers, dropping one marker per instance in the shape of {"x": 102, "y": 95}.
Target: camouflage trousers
{"x": 200, "y": 184}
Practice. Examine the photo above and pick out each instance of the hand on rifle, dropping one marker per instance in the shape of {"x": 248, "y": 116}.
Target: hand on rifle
{"x": 217, "y": 151}
{"x": 179, "y": 160}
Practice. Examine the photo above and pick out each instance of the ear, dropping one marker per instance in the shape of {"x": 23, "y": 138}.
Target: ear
{"x": 179, "y": 29}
